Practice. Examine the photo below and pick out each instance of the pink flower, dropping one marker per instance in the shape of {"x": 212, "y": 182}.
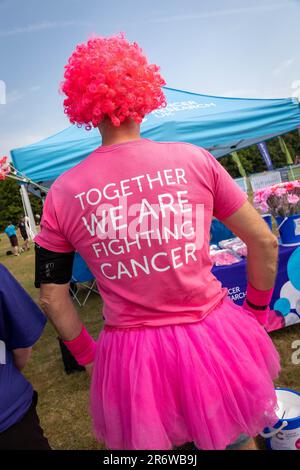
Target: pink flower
{"x": 280, "y": 191}
{"x": 257, "y": 200}
{"x": 264, "y": 207}
{"x": 292, "y": 198}
{"x": 277, "y": 190}
{"x": 289, "y": 186}
{"x": 4, "y": 167}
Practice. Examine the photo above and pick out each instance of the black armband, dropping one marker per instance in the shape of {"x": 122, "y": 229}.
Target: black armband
{"x": 256, "y": 307}
{"x": 52, "y": 267}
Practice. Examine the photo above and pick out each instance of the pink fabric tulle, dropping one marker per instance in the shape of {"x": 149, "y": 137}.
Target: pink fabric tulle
{"x": 207, "y": 382}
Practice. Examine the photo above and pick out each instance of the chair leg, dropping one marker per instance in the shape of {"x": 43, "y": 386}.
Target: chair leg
{"x": 75, "y": 297}
{"x": 90, "y": 289}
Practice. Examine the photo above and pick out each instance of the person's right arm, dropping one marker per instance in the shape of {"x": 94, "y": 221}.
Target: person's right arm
{"x": 262, "y": 245}
{"x": 233, "y": 209}
{"x": 230, "y": 205}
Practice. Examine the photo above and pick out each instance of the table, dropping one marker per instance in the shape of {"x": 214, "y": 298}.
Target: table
{"x": 285, "y": 303}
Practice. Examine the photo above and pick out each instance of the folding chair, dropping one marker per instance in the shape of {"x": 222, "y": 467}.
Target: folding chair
{"x": 82, "y": 276}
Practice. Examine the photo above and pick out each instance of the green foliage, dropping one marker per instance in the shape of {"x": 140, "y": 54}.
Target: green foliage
{"x": 251, "y": 158}
{"x": 11, "y": 208}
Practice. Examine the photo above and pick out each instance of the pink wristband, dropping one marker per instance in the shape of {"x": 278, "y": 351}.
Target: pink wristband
{"x": 83, "y": 347}
{"x": 260, "y": 315}
{"x": 259, "y": 297}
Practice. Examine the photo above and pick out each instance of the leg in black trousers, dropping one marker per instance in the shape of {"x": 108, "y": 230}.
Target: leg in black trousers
{"x": 27, "y": 434}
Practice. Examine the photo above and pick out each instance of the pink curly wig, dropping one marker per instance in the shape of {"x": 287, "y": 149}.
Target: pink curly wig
{"x": 110, "y": 77}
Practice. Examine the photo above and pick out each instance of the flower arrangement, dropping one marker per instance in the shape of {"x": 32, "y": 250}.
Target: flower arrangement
{"x": 7, "y": 170}
{"x": 280, "y": 200}
{"x": 4, "y": 167}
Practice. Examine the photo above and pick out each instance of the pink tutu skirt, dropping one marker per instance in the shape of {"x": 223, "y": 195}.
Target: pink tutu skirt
{"x": 205, "y": 382}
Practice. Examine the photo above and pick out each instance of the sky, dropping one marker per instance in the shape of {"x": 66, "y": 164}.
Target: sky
{"x": 234, "y": 48}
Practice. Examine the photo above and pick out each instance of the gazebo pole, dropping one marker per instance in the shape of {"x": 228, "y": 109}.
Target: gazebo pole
{"x": 28, "y": 210}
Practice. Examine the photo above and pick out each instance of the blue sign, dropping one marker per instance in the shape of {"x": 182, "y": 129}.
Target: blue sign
{"x": 262, "y": 147}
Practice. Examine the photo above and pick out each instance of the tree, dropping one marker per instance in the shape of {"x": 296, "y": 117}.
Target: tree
{"x": 11, "y": 207}
{"x": 252, "y": 160}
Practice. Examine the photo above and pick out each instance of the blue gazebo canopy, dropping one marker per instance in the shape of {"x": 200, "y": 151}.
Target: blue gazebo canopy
{"x": 218, "y": 124}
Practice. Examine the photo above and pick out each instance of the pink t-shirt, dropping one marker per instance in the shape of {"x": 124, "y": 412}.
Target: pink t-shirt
{"x": 139, "y": 213}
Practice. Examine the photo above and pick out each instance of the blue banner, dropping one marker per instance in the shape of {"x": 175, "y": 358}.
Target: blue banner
{"x": 285, "y": 303}
{"x": 262, "y": 147}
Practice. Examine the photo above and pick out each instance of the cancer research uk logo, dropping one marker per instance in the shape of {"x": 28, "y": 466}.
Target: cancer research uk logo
{"x": 2, "y": 92}
{"x": 178, "y": 106}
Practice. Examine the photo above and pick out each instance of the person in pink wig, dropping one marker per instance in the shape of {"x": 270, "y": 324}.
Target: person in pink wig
{"x": 176, "y": 361}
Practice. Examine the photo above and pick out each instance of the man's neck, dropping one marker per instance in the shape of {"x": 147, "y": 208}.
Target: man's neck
{"x": 112, "y": 135}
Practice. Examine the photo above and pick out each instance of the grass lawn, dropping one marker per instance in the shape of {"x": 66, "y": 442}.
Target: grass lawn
{"x": 63, "y": 399}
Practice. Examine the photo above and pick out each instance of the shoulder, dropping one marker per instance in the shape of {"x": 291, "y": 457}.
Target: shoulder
{"x": 67, "y": 178}
{"x": 179, "y": 145}
{"x": 184, "y": 148}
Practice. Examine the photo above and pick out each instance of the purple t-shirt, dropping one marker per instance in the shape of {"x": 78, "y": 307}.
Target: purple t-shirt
{"x": 21, "y": 324}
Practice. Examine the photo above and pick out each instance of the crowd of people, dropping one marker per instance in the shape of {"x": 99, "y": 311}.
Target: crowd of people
{"x": 11, "y": 230}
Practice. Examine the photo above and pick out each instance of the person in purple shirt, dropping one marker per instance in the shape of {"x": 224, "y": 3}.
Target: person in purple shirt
{"x": 21, "y": 325}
